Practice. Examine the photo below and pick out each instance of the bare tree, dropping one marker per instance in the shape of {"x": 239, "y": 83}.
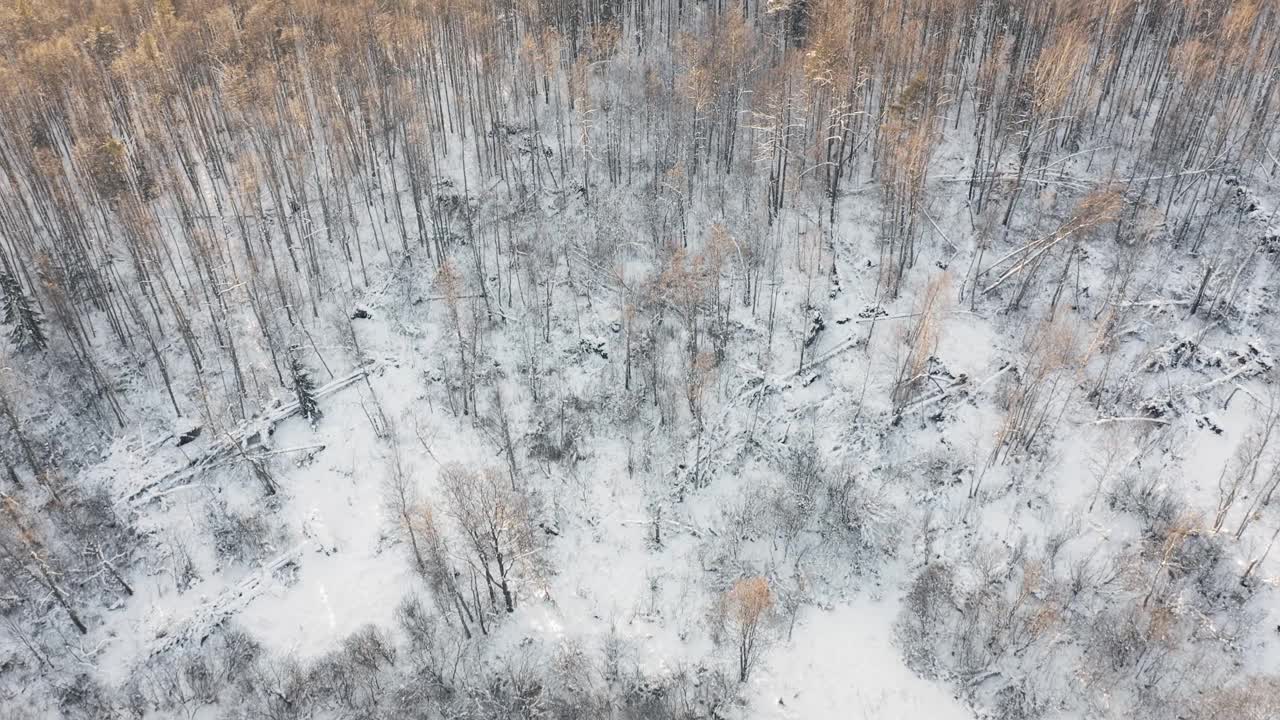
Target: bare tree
{"x": 495, "y": 521}
{"x": 747, "y": 610}
{"x": 921, "y": 341}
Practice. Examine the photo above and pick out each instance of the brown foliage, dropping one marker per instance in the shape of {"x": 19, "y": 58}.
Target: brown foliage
{"x": 746, "y": 607}
{"x": 921, "y": 340}
{"x": 1058, "y": 68}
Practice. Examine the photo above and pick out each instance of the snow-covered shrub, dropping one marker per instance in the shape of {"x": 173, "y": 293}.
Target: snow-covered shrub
{"x": 426, "y": 638}
{"x": 1017, "y": 702}
{"x": 1198, "y": 561}
{"x": 353, "y": 678}
{"x": 794, "y": 503}
{"x": 863, "y": 517}
{"x": 700, "y": 692}
{"x": 1253, "y": 698}
{"x": 81, "y": 697}
{"x": 181, "y": 565}
{"x": 195, "y": 677}
{"x": 370, "y": 648}
{"x": 515, "y": 689}
{"x": 559, "y": 427}
{"x": 616, "y": 651}
{"x": 238, "y": 536}
{"x": 1147, "y": 497}
{"x": 926, "y": 613}
{"x": 743, "y": 520}
{"x": 280, "y": 689}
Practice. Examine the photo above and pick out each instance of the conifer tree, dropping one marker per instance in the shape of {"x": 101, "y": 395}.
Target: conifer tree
{"x": 305, "y": 388}
{"x": 26, "y": 324}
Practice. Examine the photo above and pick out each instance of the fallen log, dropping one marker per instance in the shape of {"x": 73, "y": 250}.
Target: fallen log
{"x": 249, "y": 435}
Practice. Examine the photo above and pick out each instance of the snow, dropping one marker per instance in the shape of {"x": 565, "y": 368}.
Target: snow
{"x": 334, "y": 593}
{"x": 339, "y": 566}
{"x": 336, "y": 564}
{"x": 842, "y": 663}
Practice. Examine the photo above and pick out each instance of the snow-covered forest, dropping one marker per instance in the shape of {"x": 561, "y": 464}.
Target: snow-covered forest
{"x": 639, "y": 359}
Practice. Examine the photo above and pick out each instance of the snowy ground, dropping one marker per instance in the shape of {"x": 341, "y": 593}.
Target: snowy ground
{"x": 842, "y": 663}
{"x": 332, "y": 563}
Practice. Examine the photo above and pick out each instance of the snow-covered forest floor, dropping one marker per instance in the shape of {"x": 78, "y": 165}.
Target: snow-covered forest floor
{"x": 666, "y": 441}
{"x": 641, "y": 527}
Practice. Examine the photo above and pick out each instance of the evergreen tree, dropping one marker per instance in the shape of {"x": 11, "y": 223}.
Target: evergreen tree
{"x": 27, "y": 325}
{"x": 305, "y": 388}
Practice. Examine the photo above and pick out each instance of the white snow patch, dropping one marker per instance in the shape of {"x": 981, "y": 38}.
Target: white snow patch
{"x": 842, "y": 663}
